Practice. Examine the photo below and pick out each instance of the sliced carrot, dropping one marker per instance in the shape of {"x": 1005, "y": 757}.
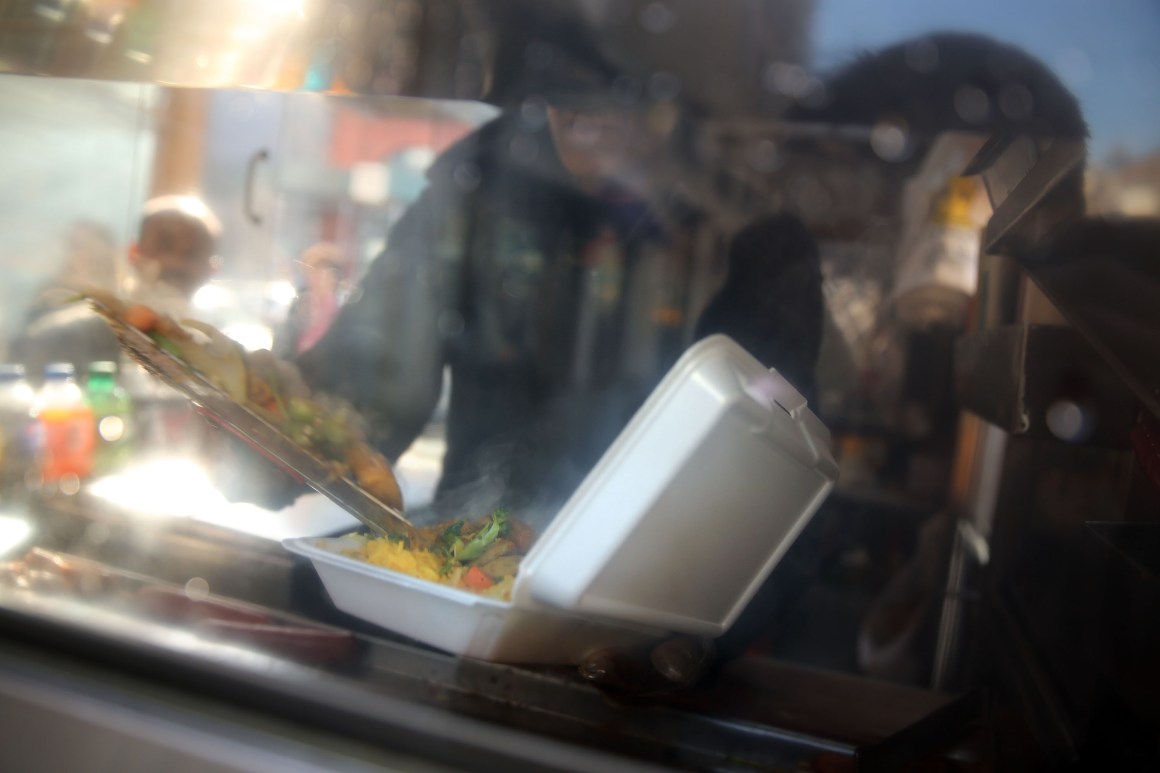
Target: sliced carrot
{"x": 476, "y": 579}
{"x": 141, "y": 317}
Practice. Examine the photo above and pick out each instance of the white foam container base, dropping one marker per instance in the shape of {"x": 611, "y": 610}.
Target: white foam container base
{"x": 458, "y": 621}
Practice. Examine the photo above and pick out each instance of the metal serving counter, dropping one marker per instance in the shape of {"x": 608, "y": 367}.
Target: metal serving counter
{"x": 274, "y": 650}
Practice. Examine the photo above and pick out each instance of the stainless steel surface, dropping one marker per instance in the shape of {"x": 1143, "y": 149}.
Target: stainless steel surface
{"x": 948, "y": 655}
{"x": 1062, "y": 614}
{"x": 1021, "y": 676}
{"x": 933, "y": 733}
{"x": 1103, "y": 276}
{"x": 136, "y": 730}
{"x": 1128, "y": 555}
{"x": 443, "y": 49}
{"x": 137, "y": 725}
{"x": 755, "y": 713}
{"x": 400, "y": 47}
{"x": 222, "y": 561}
{"x": 1034, "y": 186}
{"x": 415, "y": 701}
{"x": 1015, "y": 376}
{"x": 260, "y": 434}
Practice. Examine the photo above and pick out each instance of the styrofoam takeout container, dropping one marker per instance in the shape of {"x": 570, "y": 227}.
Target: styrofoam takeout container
{"x": 673, "y": 530}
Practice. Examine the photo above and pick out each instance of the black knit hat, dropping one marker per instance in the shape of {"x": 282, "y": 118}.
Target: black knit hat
{"x": 554, "y": 58}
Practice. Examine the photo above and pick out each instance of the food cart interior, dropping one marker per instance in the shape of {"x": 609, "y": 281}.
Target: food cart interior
{"x": 977, "y": 592}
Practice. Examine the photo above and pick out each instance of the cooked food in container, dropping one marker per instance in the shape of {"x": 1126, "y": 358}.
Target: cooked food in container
{"x": 481, "y": 556}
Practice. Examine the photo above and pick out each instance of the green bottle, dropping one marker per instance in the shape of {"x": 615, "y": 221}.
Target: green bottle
{"x": 113, "y": 414}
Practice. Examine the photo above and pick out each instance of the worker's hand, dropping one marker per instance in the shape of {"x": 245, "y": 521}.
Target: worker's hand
{"x": 677, "y": 662}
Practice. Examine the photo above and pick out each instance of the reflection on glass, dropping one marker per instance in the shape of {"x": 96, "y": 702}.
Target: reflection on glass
{"x": 497, "y": 287}
{"x": 163, "y": 488}
{"x": 15, "y": 530}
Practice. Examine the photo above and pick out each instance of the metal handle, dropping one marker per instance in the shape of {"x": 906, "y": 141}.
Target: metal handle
{"x": 248, "y": 191}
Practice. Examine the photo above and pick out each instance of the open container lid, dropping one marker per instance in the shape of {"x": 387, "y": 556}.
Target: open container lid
{"x": 693, "y": 505}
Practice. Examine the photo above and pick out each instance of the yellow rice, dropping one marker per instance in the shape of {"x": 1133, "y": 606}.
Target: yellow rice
{"x": 392, "y": 555}
{"x": 423, "y": 564}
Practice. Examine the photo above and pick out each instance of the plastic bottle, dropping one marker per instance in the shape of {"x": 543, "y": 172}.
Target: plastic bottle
{"x": 112, "y": 417}
{"x": 943, "y": 216}
{"x": 65, "y": 427}
{"x": 17, "y": 435}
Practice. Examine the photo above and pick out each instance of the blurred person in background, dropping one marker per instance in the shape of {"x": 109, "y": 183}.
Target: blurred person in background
{"x": 174, "y": 255}
{"x": 323, "y": 291}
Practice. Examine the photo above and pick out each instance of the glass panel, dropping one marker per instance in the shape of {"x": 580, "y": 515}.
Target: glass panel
{"x": 452, "y": 247}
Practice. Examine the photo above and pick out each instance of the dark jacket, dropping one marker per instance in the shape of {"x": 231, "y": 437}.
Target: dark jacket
{"x": 556, "y": 313}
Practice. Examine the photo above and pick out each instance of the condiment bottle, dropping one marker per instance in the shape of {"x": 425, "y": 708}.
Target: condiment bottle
{"x": 64, "y": 426}
{"x": 112, "y": 416}
{"x": 17, "y": 431}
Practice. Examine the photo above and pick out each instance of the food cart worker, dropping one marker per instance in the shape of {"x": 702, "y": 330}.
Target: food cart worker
{"x": 542, "y": 270}
{"x": 545, "y": 272}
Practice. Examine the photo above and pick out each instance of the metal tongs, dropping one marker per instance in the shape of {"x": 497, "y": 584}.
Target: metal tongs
{"x": 383, "y": 517}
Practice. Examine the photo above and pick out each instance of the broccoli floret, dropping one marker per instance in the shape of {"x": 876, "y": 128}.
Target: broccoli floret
{"x": 487, "y": 535}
